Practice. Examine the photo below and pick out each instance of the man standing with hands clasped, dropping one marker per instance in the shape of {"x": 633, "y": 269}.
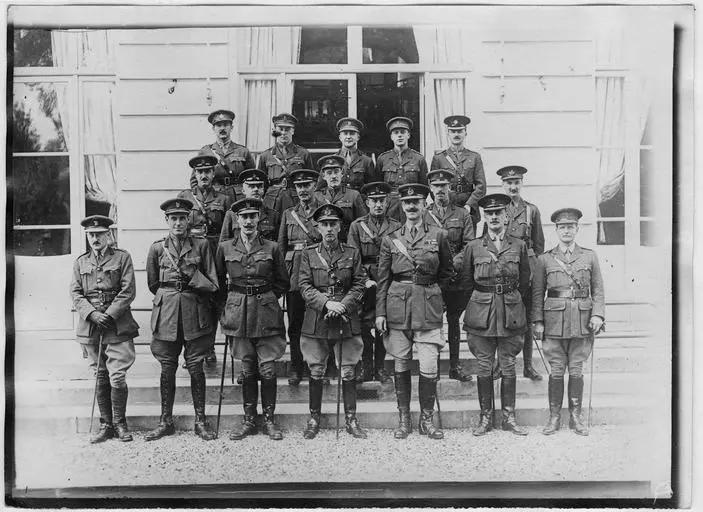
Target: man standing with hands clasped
{"x": 568, "y": 307}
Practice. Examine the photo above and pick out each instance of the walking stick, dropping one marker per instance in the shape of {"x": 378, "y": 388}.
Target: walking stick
{"x": 590, "y": 384}
{"x": 493, "y": 398}
{"x": 97, "y": 373}
{"x": 222, "y": 387}
{"x": 534, "y": 340}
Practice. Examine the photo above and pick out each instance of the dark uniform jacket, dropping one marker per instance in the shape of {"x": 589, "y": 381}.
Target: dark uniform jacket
{"x": 281, "y": 194}
{"x": 195, "y": 270}
{"x": 470, "y": 184}
{"x": 339, "y": 277}
{"x": 490, "y": 313}
{"x": 207, "y": 215}
{"x": 355, "y": 174}
{"x": 256, "y": 315}
{"x": 456, "y": 221}
{"x": 398, "y": 169}
{"x": 269, "y": 222}
{"x": 292, "y": 238}
{"x": 233, "y": 159}
{"x": 525, "y": 223}
{"x": 409, "y": 305}
{"x": 369, "y": 245}
{"x": 106, "y": 286}
{"x": 349, "y": 200}
{"x": 565, "y": 317}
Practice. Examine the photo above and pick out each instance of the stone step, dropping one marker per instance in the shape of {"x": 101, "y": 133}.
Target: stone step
{"x": 146, "y": 390}
{"x": 373, "y": 414}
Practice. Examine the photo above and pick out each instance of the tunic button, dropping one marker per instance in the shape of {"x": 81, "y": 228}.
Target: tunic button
{"x": 100, "y": 280}
{"x": 100, "y": 268}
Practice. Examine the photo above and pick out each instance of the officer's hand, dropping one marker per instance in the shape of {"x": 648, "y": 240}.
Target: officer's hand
{"x": 103, "y": 320}
{"x": 596, "y": 324}
{"x": 336, "y": 308}
{"x": 538, "y": 330}
{"x": 381, "y": 325}
{"x": 468, "y": 208}
{"x": 370, "y": 283}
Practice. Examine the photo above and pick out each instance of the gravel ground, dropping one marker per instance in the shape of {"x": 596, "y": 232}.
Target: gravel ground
{"x": 609, "y": 453}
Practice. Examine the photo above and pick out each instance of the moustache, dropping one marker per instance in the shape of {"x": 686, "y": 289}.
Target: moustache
{"x": 276, "y": 133}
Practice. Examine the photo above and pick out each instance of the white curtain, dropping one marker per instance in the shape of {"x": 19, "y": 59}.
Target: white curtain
{"x": 63, "y": 52}
{"x": 260, "y": 106}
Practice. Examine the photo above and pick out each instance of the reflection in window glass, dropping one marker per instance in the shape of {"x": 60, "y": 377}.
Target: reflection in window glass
{"x": 32, "y": 47}
{"x": 611, "y": 233}
{"x": 41, "y": 190}
{"x": 385, "y": 45}
{"x": 36, "y": 118}
{"x": 100, "y": 185}
{"x": 318, "y": 104}
{"x": 323, "y": 45}
{"x": 647, "y": 198}
{"x": 42, "y": 242}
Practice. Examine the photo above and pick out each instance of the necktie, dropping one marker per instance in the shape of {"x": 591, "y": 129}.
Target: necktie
{"x": 497, "y": 243}
{"x": 247, "y": 244}
{"x": 413, "y": 232}
{"x": 348, "y": 158}
{"x": 440, "y": 211}
{"x": 177, "y": 245}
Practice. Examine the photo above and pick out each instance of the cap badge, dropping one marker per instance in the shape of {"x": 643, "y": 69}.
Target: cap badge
{"x": 411, "y": 191}
{"x": 511, "y": 172}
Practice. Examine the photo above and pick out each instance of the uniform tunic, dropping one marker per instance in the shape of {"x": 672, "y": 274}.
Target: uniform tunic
{"x": 281, "y": 195}
{"x": 232, "y": 159}
{"x": 269, "y": 223}
{"x": 356, "y": 172}
{"x": 469, "y": 185}
{"x": 207, "y": 215}
{"x": 193, "y": 308}
{"x": 292, "y": 238}
{"x": 525, "y": 223}
{"x": 349, "y": 200}
{"x": 408, "y": 305}
{"x": 396, "y": 169}
{"x": 106, "y": 286}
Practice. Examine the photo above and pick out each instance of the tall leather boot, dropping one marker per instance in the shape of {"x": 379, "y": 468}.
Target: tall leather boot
{"x": 556, "y": 397}
{"x": 456, "y": 372}
{"x": 295, "y": 370}
{"x": 365, "y": 366}
{"x": 197, "y": 390}
{"x": 528, "y": 370}
{"x": 507, "y": 402}
{"x": 168, "y": 395}
{"x": 104, "y": 400}
{"x": 402, "y": 392}
{"x": 428, "y": 392}
{"x": 380, "y": 373}
{"x": 119, "y": 409}
{"x": 315, "y": 400}
{"x": 250, "y": 398}
{"x": 268, "y": 403}
{"x": 575, "y": 401}
{"x": 349, "y": 392}
{"x": 485, "y": 402}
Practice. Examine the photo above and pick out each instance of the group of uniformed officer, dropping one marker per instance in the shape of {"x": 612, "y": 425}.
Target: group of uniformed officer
{"x": 366, "y": 267}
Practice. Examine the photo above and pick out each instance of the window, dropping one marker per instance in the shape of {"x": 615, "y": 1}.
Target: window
{"x": 321, "y": 45}
{"x": 318, "y": 104}
{"x": 386, "y": 45}
{"x": 32, "y": 48}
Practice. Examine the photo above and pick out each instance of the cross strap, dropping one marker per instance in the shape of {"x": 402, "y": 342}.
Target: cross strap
{"x": 434, "y": 217}
{"x": 168, "y": 254}
{"x": 366, "y": 228}
{"x": 403, "y": 250}
{"x": 566, "y": 270}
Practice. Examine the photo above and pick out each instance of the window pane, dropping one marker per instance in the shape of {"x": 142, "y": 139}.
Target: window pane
{"x": 323, "y": 45}
{"x": 647, "y": 193}
{"x": 385, "y": 45}
{"x": 42, "y": 242}
{"x": 41, "y": 190}
{"x": 37, "y": 123}
{"x": 318, "y": 104}
{"x": 32, "y": 47}
{"x": 611, "y": 233}
{"x": 648, "y": 235}
{"x": 381, "y": 96}
{"x": 100, "y": 185}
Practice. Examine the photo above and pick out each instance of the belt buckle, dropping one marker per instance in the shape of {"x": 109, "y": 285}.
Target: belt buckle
{"x": 330, "y": 291}
{"x": 499, "y": 289}
{"x": 250, "y": 289}
{"x": 227, "y": 181}
{"x": 571, "y": 291}
{"x": 459, "y": 189}
{"x": 179, "y": 286}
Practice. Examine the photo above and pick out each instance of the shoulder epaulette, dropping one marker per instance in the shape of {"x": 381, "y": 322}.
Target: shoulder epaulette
{"x": 439, "y": 151}
{"x": 416, "y": 152}
{"x": 385, "y": 153}
{"x": 313, "y": 246}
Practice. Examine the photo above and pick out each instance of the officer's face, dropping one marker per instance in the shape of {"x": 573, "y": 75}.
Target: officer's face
{"x": 349, "y": 138}
{"x": 248, "y": 222}
{"x": 286, "y": 134}
{"x": 566, "y": 232}
{"x": 329, "y": 229}
{"x": 304, "y": 190}
{"x": 456, "y": 135}
{"x": 97, "y": 240}
{"x": 512, "y": 187}
{"x": 253, "y": 190}
{"x": 495, "y": 219}
{"x": 377, "y": 205}
{"x": 333, "y": 176}
{"x": 413, "y": 208}
{"x": 177, "y": 223}
{"x": 440, "y": 192}
{"x": 222, "y": 129}
{"x": 204, "y": 177}
{"x": 400, "y": 137}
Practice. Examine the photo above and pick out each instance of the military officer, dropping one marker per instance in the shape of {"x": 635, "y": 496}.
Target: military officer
{"x": 469, "y": 184}
{"x": 401, "y": 164}
{"x": 348, "y": 199}
{"x": 254, "y": 184}
{"x": 332, "y": 283}
{"x": 495, "y": 274}
{"x": 280, "y": 160}
{"x": 253, "y": 272}
{"x": 298, "y": 230}
{"x": 525, "y": 223}
{"x": 414, "y": 264}
{"x": 358, "y": 168}
{"x": 457, "y": 222}
{"x": 568, "y": 308}
{"x": 102, "y": 288}
{"x": 365, "y": 234}
{"x": 181, "y": 274}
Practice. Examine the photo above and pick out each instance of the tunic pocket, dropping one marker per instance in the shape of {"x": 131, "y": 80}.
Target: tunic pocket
{"x": 479, "y": 310}
{"x": 554, "y": 310}
{"x": 514, "y": 311}
{"x": 395, "y": 306}
{"x": 156, "y": 311}
{"x": 585, "y": 308}
{"x": 434, "y": 305}
{"x": 204, "y": 312}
